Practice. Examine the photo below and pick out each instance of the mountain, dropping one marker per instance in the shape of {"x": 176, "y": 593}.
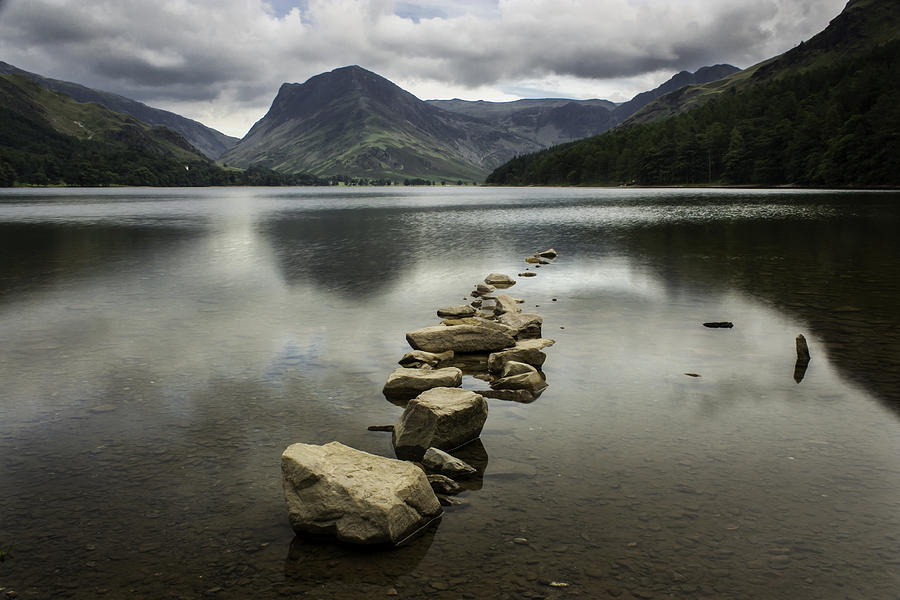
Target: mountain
{"x": 47, "y": 137}
{"x": 862, "y": 25}
{"x": 209, "y": 141}
{"x": 678, "y": 81}
{"x": 553, "y": 121}
{"x": 351, "y": 121}
{"x": 546, "y": 121}
{"x": 822, "y": 114}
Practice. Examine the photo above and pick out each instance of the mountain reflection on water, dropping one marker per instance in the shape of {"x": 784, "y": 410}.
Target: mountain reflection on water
{"x": 160, "y": 348}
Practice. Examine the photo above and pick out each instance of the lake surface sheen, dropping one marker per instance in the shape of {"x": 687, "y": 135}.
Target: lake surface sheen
{"x": 159, "y": 349}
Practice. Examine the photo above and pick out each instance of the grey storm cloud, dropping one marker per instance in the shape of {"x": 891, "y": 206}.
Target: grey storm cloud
{"x": 240, "y": 51}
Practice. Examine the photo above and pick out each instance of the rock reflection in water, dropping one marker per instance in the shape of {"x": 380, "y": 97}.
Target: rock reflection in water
{"x": 320, "y": 563}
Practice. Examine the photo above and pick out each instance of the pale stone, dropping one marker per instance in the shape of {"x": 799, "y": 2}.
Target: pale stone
{"x": 506, "y": 304}
{"x": 549, "y": 253}
{"x": 482, "y": 289}
{"x": 459, "y": 338}
{"x": 438, "y": 461}
{"x": 456, "y": 312}
{"x": 517, "y": 368}
{"x": 527, "y": 325}
{"x": 404, "y": 383}
{"x": 417, "y": 359}
{"x": 529, "y": 379}
{"x": 501, "y": 279}
{"x": 444, "y": 418}
{"x": 356, "y": 497}
{"x": 526, "y": 351}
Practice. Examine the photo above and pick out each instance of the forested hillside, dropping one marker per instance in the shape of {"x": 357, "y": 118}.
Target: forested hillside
{"x": 836, "y": 125}
{"x": 47, "y": 138}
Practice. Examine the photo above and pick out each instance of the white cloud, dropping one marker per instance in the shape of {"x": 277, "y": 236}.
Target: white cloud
{"x": 222, "y": 61}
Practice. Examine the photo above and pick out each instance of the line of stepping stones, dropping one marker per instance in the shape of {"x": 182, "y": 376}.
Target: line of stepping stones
{"x": 337, "y": 491}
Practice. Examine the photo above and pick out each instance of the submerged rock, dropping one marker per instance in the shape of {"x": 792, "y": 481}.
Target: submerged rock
{"x": 404, "y": 383}
{"x": 456, "y": 312}
{"x": 499, "y": 279}
{"x": 387, "y": 428}
{"x": 521, "y": 396}
{"x": 438, "y": 461}
{"x": 719, "y": 324}
{"x": 444, "y": 418}
{"x": 353, "y": 496}
{"x": 528, "y": 274}
{"x": 459, "y": 338}
{"x": 417, "y": 359}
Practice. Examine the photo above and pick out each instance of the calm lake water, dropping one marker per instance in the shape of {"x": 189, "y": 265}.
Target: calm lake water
{"x": 160, "y": 348}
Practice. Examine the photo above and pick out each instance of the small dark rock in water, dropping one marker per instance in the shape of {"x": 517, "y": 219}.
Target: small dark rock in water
{"x": 388, "y": 428}
{"x": 549, "y": 253}
{"x": 442, "y": 484}
{"x": 802, "y": 359}
{"x": 719, "y": 324}
{"x": 528, "y": 274}
{"x": 802, "y": 348}
{"x": 692, "y": 374}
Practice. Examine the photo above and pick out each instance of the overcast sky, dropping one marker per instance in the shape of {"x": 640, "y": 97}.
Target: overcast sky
{"x": 221, "y": 61}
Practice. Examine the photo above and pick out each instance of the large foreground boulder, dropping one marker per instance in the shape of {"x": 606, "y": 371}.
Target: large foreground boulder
{"x": 404, "y": 383}
{"x": 459, "y": 338}
{"x": 444, "y": 418}
{"x": 356, "y": 497}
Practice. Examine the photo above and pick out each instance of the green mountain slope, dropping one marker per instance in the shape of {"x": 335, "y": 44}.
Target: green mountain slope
{"x": 209, "y": 141}
{"x": 860, "y": 26}
{"x": 351, "y": 121}
{"x": 47, "y": 137}
{"x": 824, "y": 113}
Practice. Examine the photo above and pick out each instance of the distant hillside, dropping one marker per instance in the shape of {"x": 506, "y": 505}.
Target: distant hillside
{"x": 546, "y": 121}
{"x": 351, "y": 121}
{"x": 553, "y": 121}
{"x": 824, "y": 114}
{"x": 209, "y": 141}
{"x": 47, "y": 138}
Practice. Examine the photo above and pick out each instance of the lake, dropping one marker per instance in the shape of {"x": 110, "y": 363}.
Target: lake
{"x": 159, "y": 348}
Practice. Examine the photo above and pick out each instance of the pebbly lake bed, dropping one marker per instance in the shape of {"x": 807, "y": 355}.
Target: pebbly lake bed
{"x": 159, "y": 348}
